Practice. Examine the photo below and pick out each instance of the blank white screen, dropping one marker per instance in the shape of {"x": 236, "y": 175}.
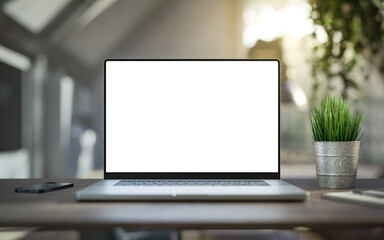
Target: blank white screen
{"x": 191, "y": 116}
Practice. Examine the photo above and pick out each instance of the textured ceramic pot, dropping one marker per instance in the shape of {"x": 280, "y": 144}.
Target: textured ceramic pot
{"x": 336, "y": 163}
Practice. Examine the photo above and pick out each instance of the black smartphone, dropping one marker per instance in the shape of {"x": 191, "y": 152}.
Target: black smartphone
{"x": 44, "y": 187}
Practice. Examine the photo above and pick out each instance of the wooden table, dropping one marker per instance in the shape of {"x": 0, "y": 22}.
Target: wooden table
{"x": 59, "y": 210}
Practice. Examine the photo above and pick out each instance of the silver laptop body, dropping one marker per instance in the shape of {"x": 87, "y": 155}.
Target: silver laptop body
{"x": 191, "y": 130}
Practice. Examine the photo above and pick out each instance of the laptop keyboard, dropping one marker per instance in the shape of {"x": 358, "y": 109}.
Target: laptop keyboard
{"x": 162, "y": 182}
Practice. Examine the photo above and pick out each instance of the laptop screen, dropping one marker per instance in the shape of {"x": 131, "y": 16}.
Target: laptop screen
{"x": 191, "y": 116}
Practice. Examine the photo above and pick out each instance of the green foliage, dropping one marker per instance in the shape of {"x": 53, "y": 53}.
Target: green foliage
{"x": 354, "y": 29}
{"x": 334, "y": 121}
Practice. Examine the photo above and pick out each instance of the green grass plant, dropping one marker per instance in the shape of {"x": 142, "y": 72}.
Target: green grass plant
{"x": 333, "y": 120}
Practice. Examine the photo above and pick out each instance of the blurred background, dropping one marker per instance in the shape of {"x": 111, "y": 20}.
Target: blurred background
{"x": 52, "y": 54}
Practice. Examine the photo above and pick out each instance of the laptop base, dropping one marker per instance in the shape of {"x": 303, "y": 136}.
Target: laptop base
{"x": 109, "y": 190}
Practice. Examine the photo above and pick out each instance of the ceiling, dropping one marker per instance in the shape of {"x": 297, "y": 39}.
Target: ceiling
{"x": 87, "y": 31}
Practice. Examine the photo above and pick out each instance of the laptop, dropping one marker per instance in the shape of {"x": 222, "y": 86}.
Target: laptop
{"x": 191, "y": 130}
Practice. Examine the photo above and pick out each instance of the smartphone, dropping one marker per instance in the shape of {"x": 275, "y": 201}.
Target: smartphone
{"x": 44, "y": 187}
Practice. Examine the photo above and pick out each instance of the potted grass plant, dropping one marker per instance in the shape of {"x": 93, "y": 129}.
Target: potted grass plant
{"x": 336, "y": 135}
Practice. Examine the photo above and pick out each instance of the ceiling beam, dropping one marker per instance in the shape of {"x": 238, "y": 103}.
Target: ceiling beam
{"x": 21, "y": 40}
{"x": 74, "y": 7}
{"x": 65, "y": 22}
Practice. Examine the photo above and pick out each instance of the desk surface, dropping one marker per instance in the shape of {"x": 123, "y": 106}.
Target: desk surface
{"x": 59, "y": 210}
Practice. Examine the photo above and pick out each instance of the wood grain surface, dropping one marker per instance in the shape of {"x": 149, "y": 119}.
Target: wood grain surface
{"x": 59, "y": 210}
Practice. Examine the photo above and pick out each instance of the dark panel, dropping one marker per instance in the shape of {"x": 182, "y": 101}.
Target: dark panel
{"x": 10, "y": 108}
